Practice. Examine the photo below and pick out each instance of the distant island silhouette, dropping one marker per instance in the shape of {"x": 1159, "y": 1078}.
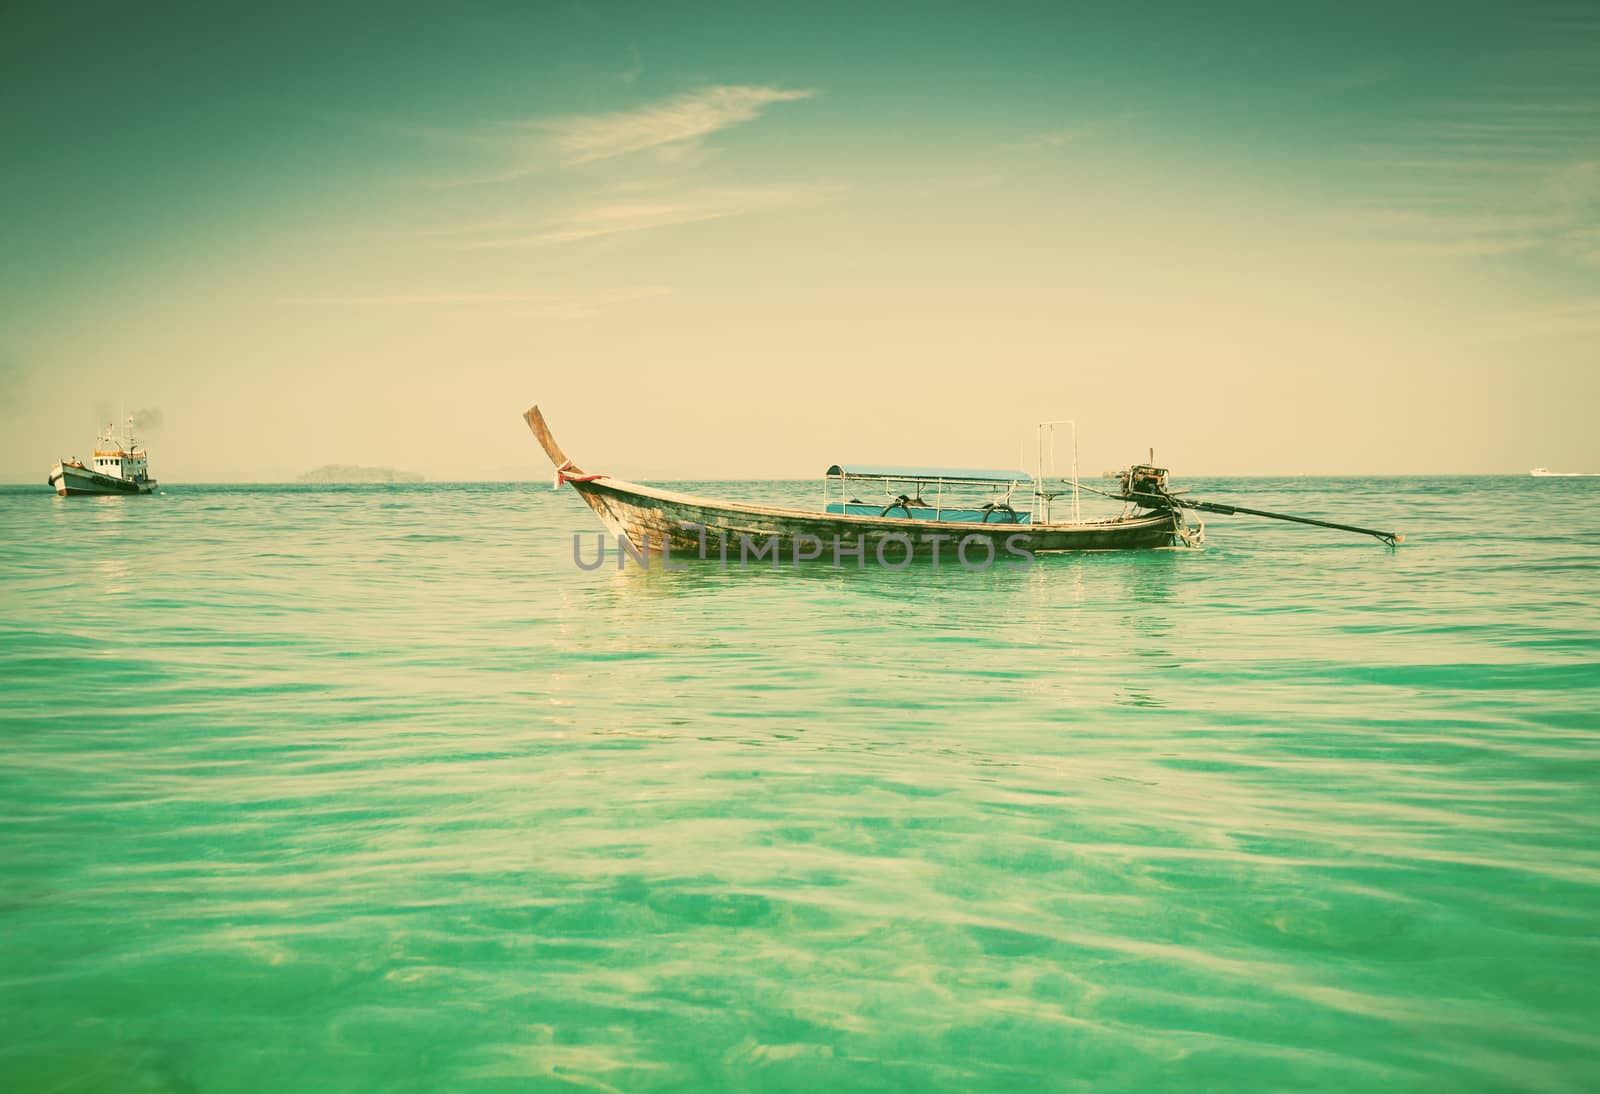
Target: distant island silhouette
{"x": 344, "y": 472}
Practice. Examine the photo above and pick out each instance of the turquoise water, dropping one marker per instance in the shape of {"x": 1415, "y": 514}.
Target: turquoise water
{"x": 341, "y": 788}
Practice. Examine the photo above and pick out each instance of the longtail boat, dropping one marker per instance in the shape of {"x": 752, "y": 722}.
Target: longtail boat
{"x": 1004, "y": 529}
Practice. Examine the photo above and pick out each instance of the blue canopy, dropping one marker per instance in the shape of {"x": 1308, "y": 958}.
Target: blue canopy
{"x": 926, "y": 474}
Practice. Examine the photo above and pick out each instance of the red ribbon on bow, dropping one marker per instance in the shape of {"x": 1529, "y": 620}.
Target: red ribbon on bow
{"x": 563, "y": 478}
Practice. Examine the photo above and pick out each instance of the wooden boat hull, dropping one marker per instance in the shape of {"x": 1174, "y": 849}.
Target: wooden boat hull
{"x": 692, "y": 526}
{"x": 654, "y": 520}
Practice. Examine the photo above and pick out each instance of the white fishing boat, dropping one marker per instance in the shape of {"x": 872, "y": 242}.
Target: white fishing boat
{"x": 120, "y": 466}
{"x": 1546, "y": 473}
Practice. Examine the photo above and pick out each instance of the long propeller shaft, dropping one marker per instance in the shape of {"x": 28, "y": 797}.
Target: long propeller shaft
{"x": 1165, "y": 499}
{"x": 1391, "y": 538}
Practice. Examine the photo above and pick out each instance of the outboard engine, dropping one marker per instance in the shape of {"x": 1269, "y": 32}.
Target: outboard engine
{"x": 1145, "y": 484}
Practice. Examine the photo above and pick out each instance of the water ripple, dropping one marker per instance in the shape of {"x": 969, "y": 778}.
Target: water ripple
{"x": 354, "y": 788}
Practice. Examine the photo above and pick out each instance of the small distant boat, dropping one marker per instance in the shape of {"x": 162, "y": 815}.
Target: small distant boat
{"x": 120, "y": 466}
{"x": 1546, "y": 473}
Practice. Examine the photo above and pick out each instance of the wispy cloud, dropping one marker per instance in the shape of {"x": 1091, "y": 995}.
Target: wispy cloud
{"x": 1055, "y": 138}
{"x": 634, "y": 70}
{"x": 1478, "y": 188}
{"x": 572, "y": 232}
{"x": 1070, "y": 134}
{"x": 612, "y": 218}
{"x": 686, "y": 117}
{"x": 537, "y": 304}
{"x": 1448, "y": 232}
{"x": 671, "y": 128}
{"x": 1511, "y": 166}
{"x": 1578, "y": 317}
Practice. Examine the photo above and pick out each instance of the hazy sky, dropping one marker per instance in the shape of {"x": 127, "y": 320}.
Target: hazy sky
{"x": 753, "y": 239}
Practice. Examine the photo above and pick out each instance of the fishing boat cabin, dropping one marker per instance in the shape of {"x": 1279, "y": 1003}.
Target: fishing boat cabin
{"x": 119, "y": 462}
